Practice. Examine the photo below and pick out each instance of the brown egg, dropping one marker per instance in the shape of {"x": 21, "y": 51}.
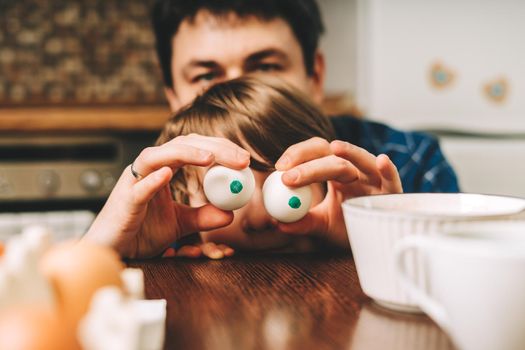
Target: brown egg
{"x": 33, "y": 328}
{"x": 76, "y": 270}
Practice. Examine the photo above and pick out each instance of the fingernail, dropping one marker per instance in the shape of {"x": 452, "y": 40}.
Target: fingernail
{"x": 242, "y": 154}
{"x": 291, "y": 176}
{"x": 282, "y": 162}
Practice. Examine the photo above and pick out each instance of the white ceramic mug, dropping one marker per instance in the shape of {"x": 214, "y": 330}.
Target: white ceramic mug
{"x": 476, "y": 283}
{"x": 376, "y": 223}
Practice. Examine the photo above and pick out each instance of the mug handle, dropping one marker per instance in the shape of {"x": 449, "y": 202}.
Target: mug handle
{"x": 425, "y": 301}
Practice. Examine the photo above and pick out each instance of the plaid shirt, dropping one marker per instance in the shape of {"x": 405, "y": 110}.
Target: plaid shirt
{"x": 417, "y": 156}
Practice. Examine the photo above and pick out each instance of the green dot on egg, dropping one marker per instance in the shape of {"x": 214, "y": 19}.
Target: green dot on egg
{"x": 294, "y": 202}
{"x": 235, "y": 186}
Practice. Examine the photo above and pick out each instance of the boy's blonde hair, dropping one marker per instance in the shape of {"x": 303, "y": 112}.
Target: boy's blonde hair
{"x": 267, "y": 115}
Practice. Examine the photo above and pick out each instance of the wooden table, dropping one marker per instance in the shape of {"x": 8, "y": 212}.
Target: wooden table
{"x": 278, "y": 302}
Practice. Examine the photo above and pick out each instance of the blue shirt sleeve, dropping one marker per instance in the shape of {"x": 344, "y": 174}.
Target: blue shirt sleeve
{"x": 417, "y": 156}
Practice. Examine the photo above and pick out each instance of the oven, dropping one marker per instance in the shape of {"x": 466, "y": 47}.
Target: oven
{"x": 61, "y": 180}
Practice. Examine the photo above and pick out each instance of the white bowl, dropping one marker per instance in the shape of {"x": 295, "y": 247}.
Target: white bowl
{"x": 375, "y": 223}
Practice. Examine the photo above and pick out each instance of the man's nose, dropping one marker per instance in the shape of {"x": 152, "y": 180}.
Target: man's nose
{"x": 257, "y": 218}
{"x": 234, "y": 73}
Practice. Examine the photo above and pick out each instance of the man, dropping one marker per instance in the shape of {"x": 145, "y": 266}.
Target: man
{"x": 202, "y": 42}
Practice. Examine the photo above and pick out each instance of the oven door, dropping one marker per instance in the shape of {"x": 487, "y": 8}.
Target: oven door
{"x": 61, "y": 181}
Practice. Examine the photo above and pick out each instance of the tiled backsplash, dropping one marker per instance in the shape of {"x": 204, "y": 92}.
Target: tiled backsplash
{"x": 77, "y": 52}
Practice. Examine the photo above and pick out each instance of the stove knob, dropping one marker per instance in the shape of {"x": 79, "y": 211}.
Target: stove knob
{"x": 48, "y": 182}
{"x": 91, "y": 180}
{"x": 5, "y": 187}
{"x": 108, "y": 180}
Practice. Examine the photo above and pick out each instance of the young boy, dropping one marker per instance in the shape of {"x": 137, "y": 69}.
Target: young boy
{"x": 265, "y": 118}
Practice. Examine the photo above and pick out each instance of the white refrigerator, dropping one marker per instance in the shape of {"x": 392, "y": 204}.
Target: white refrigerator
{"x": 455, "y": 68}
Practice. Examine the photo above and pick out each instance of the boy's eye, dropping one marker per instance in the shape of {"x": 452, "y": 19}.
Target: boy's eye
{"x": 228, "y": 189}
{"x": 284, "y": 203}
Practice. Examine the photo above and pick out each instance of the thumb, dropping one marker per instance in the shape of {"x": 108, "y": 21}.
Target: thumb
{"x": 318, "y": 220}
{"x": 203, "y": 218}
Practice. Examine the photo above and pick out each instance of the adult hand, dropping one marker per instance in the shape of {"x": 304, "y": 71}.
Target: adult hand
{"x": 140, "y": 218}
{"x": 348, "y": 170}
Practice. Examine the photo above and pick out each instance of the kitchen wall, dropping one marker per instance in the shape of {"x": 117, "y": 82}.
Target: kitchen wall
{"x": 339, "y": 45}
{"x": 77, "y": 52}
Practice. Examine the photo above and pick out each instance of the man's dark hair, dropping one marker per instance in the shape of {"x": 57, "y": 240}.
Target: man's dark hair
{"x": 303, "y": 16}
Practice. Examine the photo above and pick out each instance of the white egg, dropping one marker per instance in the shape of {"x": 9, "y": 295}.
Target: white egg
{"x": 286, "y": 204}
{"x": 228, "y": 189}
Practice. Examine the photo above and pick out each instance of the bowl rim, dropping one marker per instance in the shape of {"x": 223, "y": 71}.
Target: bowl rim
{"x": 351, "y": 204}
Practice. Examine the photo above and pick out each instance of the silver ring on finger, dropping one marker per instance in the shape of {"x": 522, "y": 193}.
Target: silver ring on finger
{"x": 135, "y": 174}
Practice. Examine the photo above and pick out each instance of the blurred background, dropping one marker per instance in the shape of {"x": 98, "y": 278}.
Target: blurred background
{"x": 81, "y": 91}
{"x": 77, "y": 52}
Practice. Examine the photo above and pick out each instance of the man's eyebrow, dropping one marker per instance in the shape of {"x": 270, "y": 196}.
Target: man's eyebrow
{"x": 257, "y": 56}
{"x": 201, "y": 64}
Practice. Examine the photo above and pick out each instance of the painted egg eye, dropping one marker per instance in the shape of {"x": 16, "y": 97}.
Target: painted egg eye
{"x": 284, "y": 203}
{"x": 228, "y": 189}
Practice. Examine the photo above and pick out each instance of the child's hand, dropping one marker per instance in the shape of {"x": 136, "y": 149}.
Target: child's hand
{"x": 208, "y": 249}
{"x": 140, "y": 218}
{"x": 349, "y": 171}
